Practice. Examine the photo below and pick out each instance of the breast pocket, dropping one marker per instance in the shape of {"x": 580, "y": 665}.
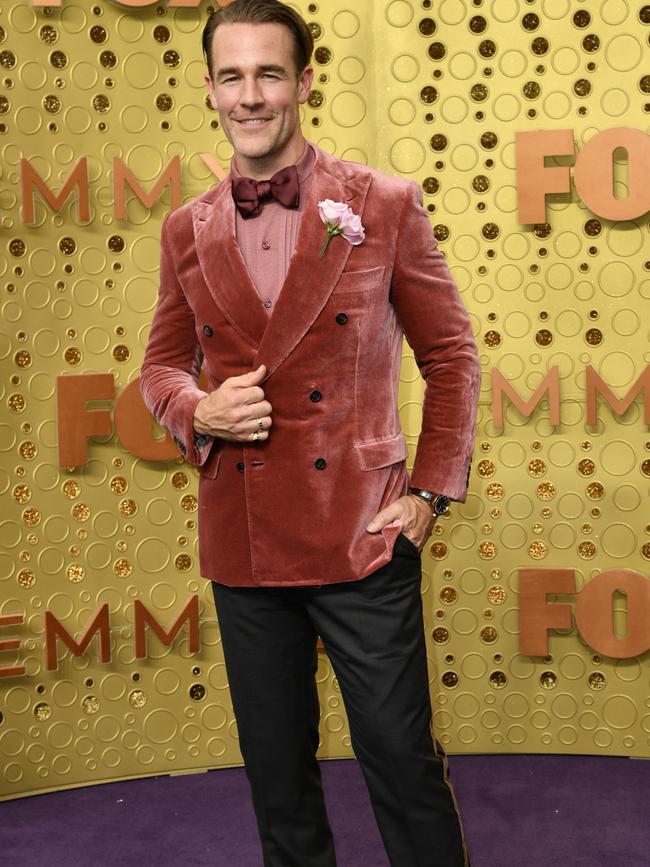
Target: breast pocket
{"x": 359, "y": 281}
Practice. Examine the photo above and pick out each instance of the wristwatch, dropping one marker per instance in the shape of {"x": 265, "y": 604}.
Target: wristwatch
{"x": 438, "y": 502}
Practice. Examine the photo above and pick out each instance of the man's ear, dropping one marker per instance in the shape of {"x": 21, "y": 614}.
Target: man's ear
{"x": 212, "y": 96}
{"x": 305, "y": 80}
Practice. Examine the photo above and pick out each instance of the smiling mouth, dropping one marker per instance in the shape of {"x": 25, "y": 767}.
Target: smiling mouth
{"x": 253, "y": 121}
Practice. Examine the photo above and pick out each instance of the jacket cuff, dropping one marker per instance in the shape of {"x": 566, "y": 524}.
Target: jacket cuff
{"x": 199, "y": 449}
{"x": 194, "y": 447}
{"x": 452, "y": 480}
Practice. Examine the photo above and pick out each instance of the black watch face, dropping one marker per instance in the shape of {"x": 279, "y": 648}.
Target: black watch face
{"x": 440, "y": 505}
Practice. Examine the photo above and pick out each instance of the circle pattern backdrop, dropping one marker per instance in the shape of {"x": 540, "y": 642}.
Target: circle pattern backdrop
{"x": 434, "y": 92}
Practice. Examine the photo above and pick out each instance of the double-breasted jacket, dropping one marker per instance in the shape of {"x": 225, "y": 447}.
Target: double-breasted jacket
{"x": 293, "y": 509}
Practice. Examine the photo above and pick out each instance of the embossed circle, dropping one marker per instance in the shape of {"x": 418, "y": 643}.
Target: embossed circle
{"x": 619, "y": 712}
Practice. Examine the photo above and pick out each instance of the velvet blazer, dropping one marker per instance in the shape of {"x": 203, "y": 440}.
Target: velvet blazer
{"x": 293, "y": 509}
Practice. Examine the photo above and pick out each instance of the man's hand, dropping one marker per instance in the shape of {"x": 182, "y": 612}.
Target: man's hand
{"x": 414, "y": 515}
{"x": 236, "y": 410}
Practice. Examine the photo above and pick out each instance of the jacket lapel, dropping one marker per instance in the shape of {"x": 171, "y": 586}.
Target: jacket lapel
{"x": 310, "y": 279}
{"x": 223, "y": 266}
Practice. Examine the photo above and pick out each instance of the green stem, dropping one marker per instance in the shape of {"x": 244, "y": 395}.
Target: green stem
{"x": 331, "y": 231}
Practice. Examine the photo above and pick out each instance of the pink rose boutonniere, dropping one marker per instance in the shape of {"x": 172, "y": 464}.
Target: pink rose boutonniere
{"x": 340, "y": 220}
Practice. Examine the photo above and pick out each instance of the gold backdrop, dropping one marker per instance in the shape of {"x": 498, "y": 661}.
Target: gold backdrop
{"x": 432, "y": 92}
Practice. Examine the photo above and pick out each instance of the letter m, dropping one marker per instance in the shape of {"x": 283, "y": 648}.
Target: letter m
{"x": 123, "y": 176}
{"x": 596, "y": 385}
{"x": 501, "y": 386}
{"x": 190, "y": 613}
{"x": 30, "y": 179}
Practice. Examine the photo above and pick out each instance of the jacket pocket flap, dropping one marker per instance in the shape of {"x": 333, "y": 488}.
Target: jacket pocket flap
{"x": 382, "y": 453}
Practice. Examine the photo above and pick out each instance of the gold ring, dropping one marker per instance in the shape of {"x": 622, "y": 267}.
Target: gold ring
{"x": 260, "y": 424}
{"x": 255, "y": 435}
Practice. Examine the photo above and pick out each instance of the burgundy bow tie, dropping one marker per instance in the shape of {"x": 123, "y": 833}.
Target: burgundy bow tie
{"x": 250, "y": 195}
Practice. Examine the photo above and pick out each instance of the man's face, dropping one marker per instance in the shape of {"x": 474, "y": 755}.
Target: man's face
{"x": 257, "y": 91}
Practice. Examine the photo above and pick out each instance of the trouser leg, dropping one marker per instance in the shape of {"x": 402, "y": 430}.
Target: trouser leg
{"x": 269, "y": 647}
{"x": 373, "y": 633}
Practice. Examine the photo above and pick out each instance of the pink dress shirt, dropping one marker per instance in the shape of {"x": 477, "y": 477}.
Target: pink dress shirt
{"x": 267, "y": 241}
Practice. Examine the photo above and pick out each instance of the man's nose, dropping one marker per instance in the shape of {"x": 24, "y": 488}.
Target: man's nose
{"x": 251, "y": 94}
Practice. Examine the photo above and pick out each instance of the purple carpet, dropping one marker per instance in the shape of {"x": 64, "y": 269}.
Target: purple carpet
{"x": 518, "y": 811}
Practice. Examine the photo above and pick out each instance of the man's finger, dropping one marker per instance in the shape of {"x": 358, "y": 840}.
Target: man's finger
{"x": 260, "y": 423}
{"x": 257, "y": 410}
{"x": 386, "y": 516}
{"x": 252, "y": 394}
{"x": 253, "y": 377}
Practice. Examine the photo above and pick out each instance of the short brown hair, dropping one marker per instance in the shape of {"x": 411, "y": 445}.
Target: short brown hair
{"x": 262, "y": 12}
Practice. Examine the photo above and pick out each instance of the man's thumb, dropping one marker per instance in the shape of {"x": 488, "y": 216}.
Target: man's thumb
{"x": 386, "y": 516}
{"x": 253, "y": 377}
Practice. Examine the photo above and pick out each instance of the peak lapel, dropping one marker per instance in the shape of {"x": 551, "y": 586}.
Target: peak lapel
{"x": 310, "y": 279}
{"x": 223, "y": 265}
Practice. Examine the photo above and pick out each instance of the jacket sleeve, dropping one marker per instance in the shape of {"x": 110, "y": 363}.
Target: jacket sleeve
{"x": 438, "y": 329}
{"x": 172, "y": 361}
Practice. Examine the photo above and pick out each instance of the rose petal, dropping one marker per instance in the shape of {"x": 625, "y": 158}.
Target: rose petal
{"x": 351, "y": 228}
{"x": 354, "y": 238}
{"x": 351, "y": 223}
{"x": 332, "y": 212}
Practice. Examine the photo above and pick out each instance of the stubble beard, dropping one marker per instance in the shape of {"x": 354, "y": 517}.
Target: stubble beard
{"x": 258, "y": 151}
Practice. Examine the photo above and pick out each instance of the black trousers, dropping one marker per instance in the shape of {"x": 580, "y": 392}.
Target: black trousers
{"x": 373, "y": 633}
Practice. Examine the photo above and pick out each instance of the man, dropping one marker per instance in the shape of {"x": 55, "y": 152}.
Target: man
{"x": 306, "y": 527}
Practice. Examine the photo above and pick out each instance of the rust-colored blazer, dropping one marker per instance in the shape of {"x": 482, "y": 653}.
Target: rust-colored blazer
{"x": 293, "y": 509}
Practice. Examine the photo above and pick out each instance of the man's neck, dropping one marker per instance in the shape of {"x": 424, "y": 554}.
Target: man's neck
{"x": 263, "y": 169}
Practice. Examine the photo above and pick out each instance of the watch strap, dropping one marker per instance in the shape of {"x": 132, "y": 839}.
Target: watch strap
{"x": 439, "y": 503}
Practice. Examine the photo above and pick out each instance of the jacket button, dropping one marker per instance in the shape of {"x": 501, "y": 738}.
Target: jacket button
{"x": 315, "y": 396}
{"x": 240, "y": 466}
{"x": 320, "y": 463}
{"x": 341, "y": 318}
{"x": 207, "y": 331}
